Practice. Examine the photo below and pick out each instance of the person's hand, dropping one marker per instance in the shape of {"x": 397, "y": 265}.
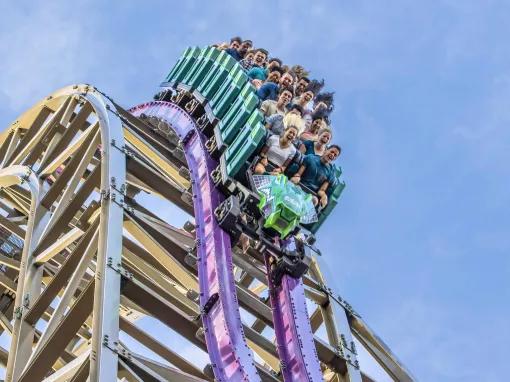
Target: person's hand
{"x": 256, "y": 83}
{"x": 295, "y": 179}
{"x": 324, "y": 200}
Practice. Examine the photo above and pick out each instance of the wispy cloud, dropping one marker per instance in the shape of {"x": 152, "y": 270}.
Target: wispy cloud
{"x": 419, "y": 239}
{"x": 45, "y": 48}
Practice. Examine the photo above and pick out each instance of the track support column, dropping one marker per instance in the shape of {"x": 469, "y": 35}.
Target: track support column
{"x": 104, "y": 357}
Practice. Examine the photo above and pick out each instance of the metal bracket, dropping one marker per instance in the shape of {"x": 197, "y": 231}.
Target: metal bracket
{"x": 216, "y": 175}
{"x": 351, "y": 347}
{"x": 24, "y": 178}
{"x": 210, "y": 144}
{"x": 18, "y": 312}
{"x": 339, "y": 300}
{"x": 193, "y": 295}
{"x": 121, "y": 190}
{"x": 191, "y": 259}
{"x": 347, "y": 354}
{"x": 106, "y": 344}
{"x": 113, "y": 191}
{"x": 105, "y": 194}
{"x": 184, "y": 172}
{"x": 202, "y": 121}
{"x": 178, "y": 96}
{"x": 113, "y": 198}
{"x": 347, "y": 350}
{"x": 191, "y": 105}
{"x": 124, "y": 149}
{"x": 122, "y": 352}
{"x": 119, "y": 269}
{"x": 213, "y": 299}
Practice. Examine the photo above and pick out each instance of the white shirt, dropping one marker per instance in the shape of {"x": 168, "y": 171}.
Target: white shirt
{"x": 276, "y": 154}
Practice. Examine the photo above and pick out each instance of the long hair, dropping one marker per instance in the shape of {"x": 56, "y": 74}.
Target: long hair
{"x": 292, "y": 119}
{"x": 328, "y": 98}
{"x": 315, "y": 86}
{"x": 321, "y": 114}
{"x": 299, "y": 71}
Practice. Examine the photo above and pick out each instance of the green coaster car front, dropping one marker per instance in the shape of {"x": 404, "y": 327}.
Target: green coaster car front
{"x": 283, "y": 204}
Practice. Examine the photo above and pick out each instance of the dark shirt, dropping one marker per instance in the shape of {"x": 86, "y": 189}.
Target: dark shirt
{"x": 309, "y": 147}
{"x": 234, "y": 53}
{"x": 316, "y": 173}
{"x": 269, "y": 90}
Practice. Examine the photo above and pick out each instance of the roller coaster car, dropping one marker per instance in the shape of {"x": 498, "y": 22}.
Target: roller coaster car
{"x": 284, "y": 205}
{"x": 291, "y": 256}
{"x": 278, "y": 206}
{"x": 217, "y": 93}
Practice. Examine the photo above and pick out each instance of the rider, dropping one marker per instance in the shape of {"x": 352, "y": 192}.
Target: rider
{"x": 317, "y": 173}
{"x": 319, "y": 146}
{"x": 319, "y": 121}
{"x": 278, "y": 151}
{"x": 276, "y": 123}
{"x": 270, "y": 107}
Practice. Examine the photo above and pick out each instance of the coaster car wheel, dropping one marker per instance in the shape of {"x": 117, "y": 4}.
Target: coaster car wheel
{"x": 227, "y": 215}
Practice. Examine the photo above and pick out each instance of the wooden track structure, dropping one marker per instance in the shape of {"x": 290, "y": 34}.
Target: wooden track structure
{"x": 80, "y": 257}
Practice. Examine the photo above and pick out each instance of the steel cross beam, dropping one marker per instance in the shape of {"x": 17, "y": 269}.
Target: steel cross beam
{"x": 82, "y": 257}
{"x": 60, "y": 146}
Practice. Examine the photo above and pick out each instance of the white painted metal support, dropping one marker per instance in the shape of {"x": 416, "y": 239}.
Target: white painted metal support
{"x": 104, "y": 360}
{"x": 22, "y": 334}
{"x": 67, "y": 372}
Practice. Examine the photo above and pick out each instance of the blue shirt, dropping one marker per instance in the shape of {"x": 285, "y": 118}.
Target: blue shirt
{"x": 268, "y": 91}
{"x": 316, "y": 173}
{"x": 275, "y": 123}
{"x": 257, "y": 73}
{"x": 309, "y": 147}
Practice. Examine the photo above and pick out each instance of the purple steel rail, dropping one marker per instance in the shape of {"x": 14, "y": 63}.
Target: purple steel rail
{"x": 294, "y": 337}
{"x": 230, "y": 356}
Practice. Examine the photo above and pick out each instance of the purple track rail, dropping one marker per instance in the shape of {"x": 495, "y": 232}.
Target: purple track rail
{"x": 230, "y": 356}
{"x": 294, "y": 337}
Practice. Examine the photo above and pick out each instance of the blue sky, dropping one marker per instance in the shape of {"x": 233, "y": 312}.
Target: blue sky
{"x": 419, "y": 243}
